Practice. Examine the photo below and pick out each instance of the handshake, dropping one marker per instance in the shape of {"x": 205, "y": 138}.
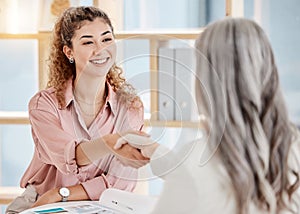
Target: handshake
{"x": 140, "y": 141}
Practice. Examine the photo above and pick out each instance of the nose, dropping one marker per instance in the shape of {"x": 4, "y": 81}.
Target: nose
{"x": 100, "y": 46}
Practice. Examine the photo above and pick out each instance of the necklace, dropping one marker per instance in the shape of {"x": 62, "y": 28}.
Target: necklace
{"x": 94, "y": 103}
{"x": 89, "y": 109}
{"x": 88, "y": 112}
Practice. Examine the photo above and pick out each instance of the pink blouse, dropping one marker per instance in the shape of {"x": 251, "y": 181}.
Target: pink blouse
{"x": 56, "y": 132}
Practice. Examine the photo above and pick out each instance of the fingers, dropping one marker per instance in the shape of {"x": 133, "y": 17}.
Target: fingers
{"x": 132, "y": 153}
{"x": 141, "y": 133}
{"x": 137, "y": 155}
{"x": 137, "y": 141}
{"x": 134, "y": 140}
{"x": 128, "y": 148}
{"x": 124, "y": 139}
{"x": 148, "y": 151}
{"x": 144, "y": 150}
{"x": 130, "y": 156}
{"x": 134, "y": 163}
{"x": 120, "y": 142}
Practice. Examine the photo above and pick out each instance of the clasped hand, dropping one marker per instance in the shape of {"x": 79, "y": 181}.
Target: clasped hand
{"x": 139, "y": 140}
{"x": 129, "y": 154}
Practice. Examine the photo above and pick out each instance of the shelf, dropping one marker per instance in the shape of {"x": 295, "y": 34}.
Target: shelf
{"x": 173, "y": 124}
{"x": 18, "y": 36}
{"x": 154, "y": 34}
{"x": 17, "y": 117}
{"x": 14, "y": 117}
{"x": 157, "y": 35}
{"x": 154, "y": 37}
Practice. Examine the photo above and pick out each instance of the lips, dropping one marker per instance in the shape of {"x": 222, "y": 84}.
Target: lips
{"x": 99, "y": 61}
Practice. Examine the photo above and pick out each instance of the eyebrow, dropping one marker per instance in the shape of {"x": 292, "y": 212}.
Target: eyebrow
{"x": 90, "y": 36}
{"x": 106, "y": 32}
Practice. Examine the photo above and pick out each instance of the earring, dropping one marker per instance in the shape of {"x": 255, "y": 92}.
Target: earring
{"x": 71, "y": 60}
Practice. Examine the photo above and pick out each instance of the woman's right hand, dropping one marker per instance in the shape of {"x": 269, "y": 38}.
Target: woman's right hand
{"x": 143, "y": 142}
{"x": 128, "y": 154}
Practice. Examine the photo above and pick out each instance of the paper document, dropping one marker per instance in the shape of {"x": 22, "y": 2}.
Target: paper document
{"x": 72, "y": 207}
{"x": 127, "y": 202}
{"x": 112, "y": 201}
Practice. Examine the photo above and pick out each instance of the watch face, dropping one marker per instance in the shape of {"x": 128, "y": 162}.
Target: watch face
{"x": 65, "y": 192}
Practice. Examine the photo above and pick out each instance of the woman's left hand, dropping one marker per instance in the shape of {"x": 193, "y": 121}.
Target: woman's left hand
{"x": 77, "y": 193}
{"x": 49, "y": 197}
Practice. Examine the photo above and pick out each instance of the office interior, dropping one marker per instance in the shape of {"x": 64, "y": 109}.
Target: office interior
{"x": 143, "y": 29}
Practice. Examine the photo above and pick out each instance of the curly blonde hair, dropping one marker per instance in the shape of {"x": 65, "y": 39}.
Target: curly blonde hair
{"x": 61, "y": 70}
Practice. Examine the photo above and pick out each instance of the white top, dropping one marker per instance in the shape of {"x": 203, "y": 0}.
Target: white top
{"x": 192, "y": 187}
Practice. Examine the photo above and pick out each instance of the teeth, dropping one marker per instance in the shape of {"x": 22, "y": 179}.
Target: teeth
{"x": 99, "y": 61}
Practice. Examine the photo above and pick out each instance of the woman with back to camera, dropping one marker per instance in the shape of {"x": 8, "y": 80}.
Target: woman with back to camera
{"x": 252, "y": 164}
{"x": 78, "y": 118}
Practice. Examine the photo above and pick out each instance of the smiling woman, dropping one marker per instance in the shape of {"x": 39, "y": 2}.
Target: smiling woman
{"x": 94, "y": 52}
{"x": 79, "y": 117}
{"x": 93, "y": 45}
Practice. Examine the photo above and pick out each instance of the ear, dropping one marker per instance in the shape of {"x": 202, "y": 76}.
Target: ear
{"x": 67, "y": 51}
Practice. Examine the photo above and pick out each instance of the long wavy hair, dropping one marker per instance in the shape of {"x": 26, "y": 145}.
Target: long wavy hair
{"x": 237, "y": 87}
{"x": 61, "y": 70}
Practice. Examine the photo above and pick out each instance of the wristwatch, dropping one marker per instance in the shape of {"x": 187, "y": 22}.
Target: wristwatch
{"x": 64, "y": 192}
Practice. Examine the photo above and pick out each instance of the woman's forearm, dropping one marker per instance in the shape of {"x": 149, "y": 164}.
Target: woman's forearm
{"x": 89, "y": 151}
{"x": 77, "y": 193}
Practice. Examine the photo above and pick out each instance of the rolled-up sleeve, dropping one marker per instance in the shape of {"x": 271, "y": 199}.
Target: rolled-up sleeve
{"x": 118, "y": 176}
{"x": 95, "y": 187}
{"x": 56, "y": 133}
{"x": 54, "y": 145}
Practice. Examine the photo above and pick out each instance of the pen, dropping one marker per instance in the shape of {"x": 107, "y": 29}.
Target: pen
{"x": 122, "y": 205}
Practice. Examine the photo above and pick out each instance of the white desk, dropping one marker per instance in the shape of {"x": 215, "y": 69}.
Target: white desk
{"x": 71, "y": 207}
{"x": 112, "y": 201}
